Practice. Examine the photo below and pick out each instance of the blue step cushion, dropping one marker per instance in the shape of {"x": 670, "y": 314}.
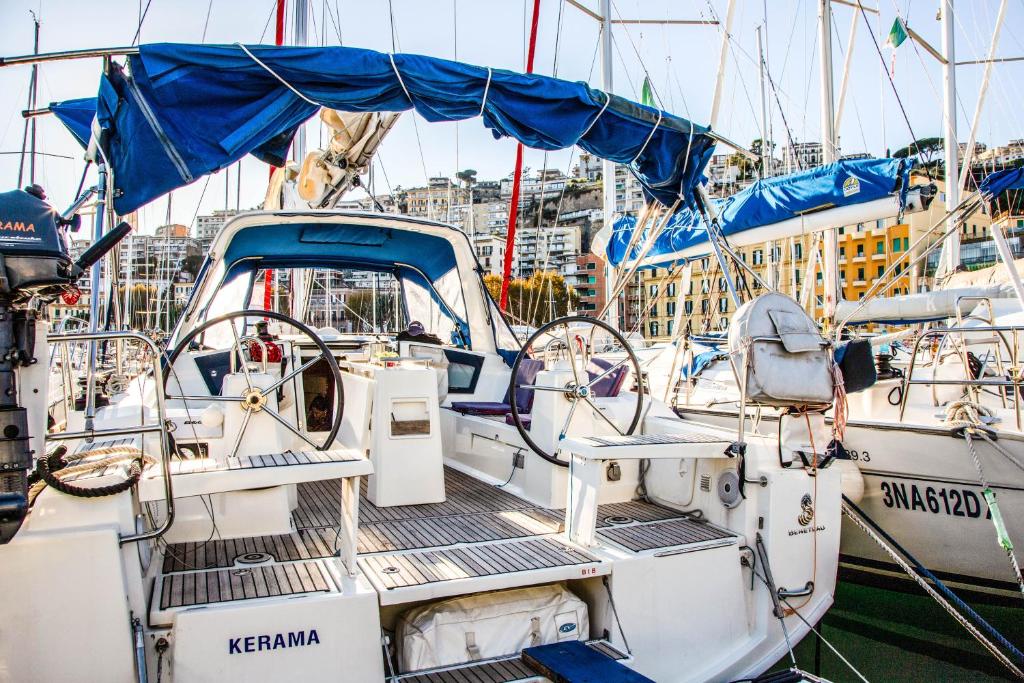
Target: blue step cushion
{"x": 574, "y": 662}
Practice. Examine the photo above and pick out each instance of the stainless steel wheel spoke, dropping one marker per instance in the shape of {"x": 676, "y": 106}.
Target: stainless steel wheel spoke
{"x": 298, "y": 371}
{"x": 537, "y": 387}
{"x": 291, "y": 429}
{"x": 241, "y": 355}
{"x": 607, "y": 372}
{"x": 568, "y": 420}
{"x": 241, "y": 432}
{"x": 603, "y": 416}
{"x": 222, "y": 399}
{"x": 572, "y": 356}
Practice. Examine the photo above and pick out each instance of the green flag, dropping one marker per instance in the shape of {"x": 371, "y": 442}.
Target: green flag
{"x": 897, "y": 34}
{"x": 647, "y": 93}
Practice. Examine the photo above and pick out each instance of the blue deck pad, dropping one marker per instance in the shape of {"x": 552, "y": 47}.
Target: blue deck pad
{"x": 773, "y": 200}
{"x": 179, "y": 111}
{"x": 574, "y": 662}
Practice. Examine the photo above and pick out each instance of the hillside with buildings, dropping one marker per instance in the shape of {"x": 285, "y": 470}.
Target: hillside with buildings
{"x": 560, "y": 214}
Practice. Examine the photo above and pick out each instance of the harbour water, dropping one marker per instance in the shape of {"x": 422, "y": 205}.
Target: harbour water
{"x": 903, "y": 636}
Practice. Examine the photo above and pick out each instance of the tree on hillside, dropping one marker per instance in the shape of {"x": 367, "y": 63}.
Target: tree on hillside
{"x": 535, "y": 300}
{"x": 922, "y": 149}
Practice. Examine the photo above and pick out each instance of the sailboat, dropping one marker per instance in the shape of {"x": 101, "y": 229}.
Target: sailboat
{"x": 915, "y": 474}
{"x": 274, "y": 501}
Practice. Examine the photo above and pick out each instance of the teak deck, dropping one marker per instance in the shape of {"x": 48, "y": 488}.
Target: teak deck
{"x": 479, "y": 531}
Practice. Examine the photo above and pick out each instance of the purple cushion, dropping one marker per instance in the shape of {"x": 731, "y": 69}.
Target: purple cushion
{"x": 480, "y": 408}
{"x": 610, "y": 385}
{"x": 525, "y": 419}
{"x": 528, "y": 371}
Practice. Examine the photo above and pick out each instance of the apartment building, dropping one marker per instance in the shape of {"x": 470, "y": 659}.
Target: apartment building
{"x": 208, "y": 226}
{"x": 432, "y": 202}
{"x": 590, "y": 284}
{"x": 550, "y": 247}
{"x": 490, "y": 252}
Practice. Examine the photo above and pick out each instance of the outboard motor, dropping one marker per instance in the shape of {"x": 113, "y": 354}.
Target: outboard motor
{"x": 34, "y": 263}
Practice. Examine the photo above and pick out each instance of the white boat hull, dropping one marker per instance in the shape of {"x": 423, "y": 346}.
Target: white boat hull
{"x": 920, "y": 485}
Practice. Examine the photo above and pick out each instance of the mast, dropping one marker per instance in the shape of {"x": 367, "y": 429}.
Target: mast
{"x": 951, "y": 249}
{"x": 513, "y": 209}
{"x": 30, "y": 123}
{"x": 608, "y": 167}
{"x": 965, "y": 171}
{"x": 723, "y": 55}
{"x": 301, "y": 20}
{"x": 828, "y": 153}
{"x": 268, "y": 275}
{"x": 764, "y": 107}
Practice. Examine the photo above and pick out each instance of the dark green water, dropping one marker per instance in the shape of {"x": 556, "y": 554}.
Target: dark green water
{"x": 894, "y": 636}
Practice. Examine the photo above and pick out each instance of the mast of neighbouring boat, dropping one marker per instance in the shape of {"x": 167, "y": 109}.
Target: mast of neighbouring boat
{"x": 828, "y": 155}
{"x": 608, "y": 167}
{"x": 951, "y": 249}
{"x": 965, "y": 170}
{"x": 29, "y": 135}
{"x": 764, "y": 106}
{"x": 513, "y": 209}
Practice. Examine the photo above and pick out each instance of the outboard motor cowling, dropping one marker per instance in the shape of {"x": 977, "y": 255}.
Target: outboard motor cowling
{"x": 33, "y": 245}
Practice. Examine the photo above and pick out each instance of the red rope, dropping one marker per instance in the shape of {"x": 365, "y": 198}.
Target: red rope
{"x": 513, "y": 209}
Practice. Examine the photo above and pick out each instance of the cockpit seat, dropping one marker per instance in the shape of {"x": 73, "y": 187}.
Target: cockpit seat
{"x": 527, "y": 420}
{"x": 610, "y": 385}
{"x": 528, "y": 371}
{"x": 607, "y": 387}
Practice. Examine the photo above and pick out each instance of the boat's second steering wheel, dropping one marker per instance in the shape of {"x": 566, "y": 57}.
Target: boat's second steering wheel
{"x": 578, "y": 340}
{"x": 254, "y": 399}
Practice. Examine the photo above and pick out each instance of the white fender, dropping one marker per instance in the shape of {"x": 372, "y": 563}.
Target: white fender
{"x": 852, "y": 480}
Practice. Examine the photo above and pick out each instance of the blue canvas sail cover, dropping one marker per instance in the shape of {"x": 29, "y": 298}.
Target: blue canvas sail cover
{"x": 996, "y": 183}
{"x": 772, "y": 200}
{"x": 180, "y": 111}
{"x": 77, "y": 117}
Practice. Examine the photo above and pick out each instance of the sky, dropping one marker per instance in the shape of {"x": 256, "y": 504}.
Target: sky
{"x": 681, "y": 61}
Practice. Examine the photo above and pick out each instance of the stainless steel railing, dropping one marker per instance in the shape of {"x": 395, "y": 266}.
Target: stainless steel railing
{"x": 1016, "y": 379}
{"x": 159, "y": 427}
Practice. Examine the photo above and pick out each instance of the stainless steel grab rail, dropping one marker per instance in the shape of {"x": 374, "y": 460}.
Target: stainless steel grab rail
{"x": 160, "y": 426}
{"x": 1015, "y": 374}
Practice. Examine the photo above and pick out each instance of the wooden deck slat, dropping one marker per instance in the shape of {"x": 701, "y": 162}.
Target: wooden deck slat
{"x": 227, "y": 585}
{"x": 663, "y": 534}
{"x": 489, "y": 559}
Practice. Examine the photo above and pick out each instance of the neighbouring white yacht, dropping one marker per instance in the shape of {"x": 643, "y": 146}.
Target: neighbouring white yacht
{"x": 370, "y": 478}
{"x": 955, "y": 363}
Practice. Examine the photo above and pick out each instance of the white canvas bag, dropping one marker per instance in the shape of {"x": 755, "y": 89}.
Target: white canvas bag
{"x": 488, "y": 625}
{"x": 777, "y": 350}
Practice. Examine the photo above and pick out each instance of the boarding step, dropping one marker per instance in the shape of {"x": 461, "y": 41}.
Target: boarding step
{"x": 690, "y": 444}
{"x": 201, "y": 588}
{"x": 511, "y": 669}
{"x": 427, "y": 575}
{"x": 678, "y": 535}
{"x": 574, "y": 662}
{"x": 201, "y": 476}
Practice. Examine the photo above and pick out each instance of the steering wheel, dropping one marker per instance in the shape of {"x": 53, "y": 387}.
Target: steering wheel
{"x": 576, "y": 339}
{"x": 254, "y": 399}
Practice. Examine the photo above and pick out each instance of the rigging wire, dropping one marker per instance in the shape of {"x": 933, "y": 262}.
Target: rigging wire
{"x": 142, "y": 18}
{"x": 336, "y": 22}
{"x": 273, "y": 9}
{"x": 892, "y": 83}
{"x": 206, "y": 24}
{"x": 395, "y": 45}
